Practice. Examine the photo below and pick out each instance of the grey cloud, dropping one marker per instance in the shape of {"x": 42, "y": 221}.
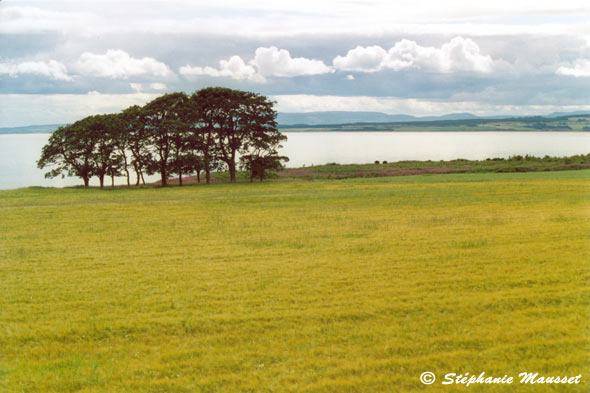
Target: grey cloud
{"x": 525, "y": 60}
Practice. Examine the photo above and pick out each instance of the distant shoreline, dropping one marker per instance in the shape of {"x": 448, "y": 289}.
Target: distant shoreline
{"x": 318, "y": 130}
{"x": 571, "y": 122}
{"x": 421, "y": 130}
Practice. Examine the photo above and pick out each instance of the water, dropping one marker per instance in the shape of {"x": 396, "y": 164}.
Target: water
{"x": 19, "y": 153}
{"x": 366, "y": 147}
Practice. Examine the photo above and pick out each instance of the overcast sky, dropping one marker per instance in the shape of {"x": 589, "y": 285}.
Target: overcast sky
{"x": 63, "y": 60}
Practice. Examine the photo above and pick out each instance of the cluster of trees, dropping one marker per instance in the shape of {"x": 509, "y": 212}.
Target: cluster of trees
{"x": 175, "y": 134}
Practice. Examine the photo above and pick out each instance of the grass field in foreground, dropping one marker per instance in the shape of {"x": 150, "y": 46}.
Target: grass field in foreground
{"x": 327, "y": 286}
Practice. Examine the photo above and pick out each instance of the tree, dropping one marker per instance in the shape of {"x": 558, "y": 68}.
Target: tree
{"x": 136, "y": 138}
{"x": 121, "y": 138}
{"x": 163, "y": 119}
{"x": 104, "y": 130}
{"x": 84, "y": 149}
{"x": 115, "y": 169}
{"x": 236, "y": 121}
{"x": 258, "y": 165}
{"x": 200, "y": 116}
{"x": 195, "y": 163}
{"x": 181, "y": 158}
{"x": 69, "y": 150}
{"x": 171, "y": 134}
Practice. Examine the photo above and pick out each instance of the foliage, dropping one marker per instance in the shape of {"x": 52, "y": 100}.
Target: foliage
{"x": 133, "y": 137}
{"x": 105, "y": 161}
{"x": 69, "y": 150}
{"x": 259, "y": 165}
{"x": 173, "y": 133}
{"x": 238, "y": 122}
{"x": 165, "y": 122}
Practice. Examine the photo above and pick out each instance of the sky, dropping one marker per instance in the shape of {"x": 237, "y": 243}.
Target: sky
{"x": 64, "y": 60}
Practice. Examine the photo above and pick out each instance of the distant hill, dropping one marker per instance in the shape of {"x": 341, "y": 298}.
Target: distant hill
{"x": 562, "y": 114}
{"x": 343, "y": 117}
{"x": 533, "y": 123}
{"x": 378, "y": 121}
{"x": 40, "y": 129}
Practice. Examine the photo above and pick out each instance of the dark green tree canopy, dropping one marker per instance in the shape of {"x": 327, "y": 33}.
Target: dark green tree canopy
{"x": 238, "y": 121}
{"x": 165, "y": 120}
{"x": 172, "y": 134}
{"x": 69, "y": 151}
{"x": 260, "y": 165}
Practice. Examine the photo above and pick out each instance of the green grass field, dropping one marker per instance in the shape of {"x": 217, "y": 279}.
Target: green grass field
{"x": 403, "y": 168}
{"x": 355, "y": 285}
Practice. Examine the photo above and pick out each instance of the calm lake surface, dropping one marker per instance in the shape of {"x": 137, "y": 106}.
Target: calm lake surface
{"x": 19, "y": 153}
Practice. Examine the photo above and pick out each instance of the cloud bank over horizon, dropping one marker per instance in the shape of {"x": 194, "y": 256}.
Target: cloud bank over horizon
{"x": 516, "y": 58}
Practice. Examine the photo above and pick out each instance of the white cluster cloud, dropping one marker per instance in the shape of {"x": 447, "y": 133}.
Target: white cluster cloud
{"x": 267, "y": 62}
{"x": 52, "y": 69}
{"x": 138, "y": 87}
{"x": 459, "y": 54}
{"x": 278, "y": 62}
{"x": 117, "y": 64}
{"x": 158, "y": 86}
{"x": 234, "y": 67}
{"x": 580, "y": 68}
{"x": 361, "y": 58}
{"x": 114, "y": 64}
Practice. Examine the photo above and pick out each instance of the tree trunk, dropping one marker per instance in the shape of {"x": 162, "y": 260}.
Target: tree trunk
{"x": 136, "y": 174}
{"x": 180, "y": 178}
{"x": 164, "y": 176}
{"x": 127, "y": 173}
{"x": 198, "y": 176}
{"x": 207, "y": 167}
{"x": 232, "y": 167}
{"x": 86, "y": 180}
{"x": 142, "y": 179}
{"x": 126, "y": 167}
{"x": 232, "y": 171}
{"x": 112, "y": 181}
{"x": 101, "y": 178}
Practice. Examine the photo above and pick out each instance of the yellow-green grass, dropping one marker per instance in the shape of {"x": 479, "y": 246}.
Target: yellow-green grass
{"x": 325, "y": 286}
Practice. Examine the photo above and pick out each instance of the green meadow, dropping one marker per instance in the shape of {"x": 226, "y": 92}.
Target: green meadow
{"x": 354, "y": 285}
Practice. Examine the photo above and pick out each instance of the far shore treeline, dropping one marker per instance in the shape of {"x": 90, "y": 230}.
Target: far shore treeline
{"x": 175, "y": 134}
